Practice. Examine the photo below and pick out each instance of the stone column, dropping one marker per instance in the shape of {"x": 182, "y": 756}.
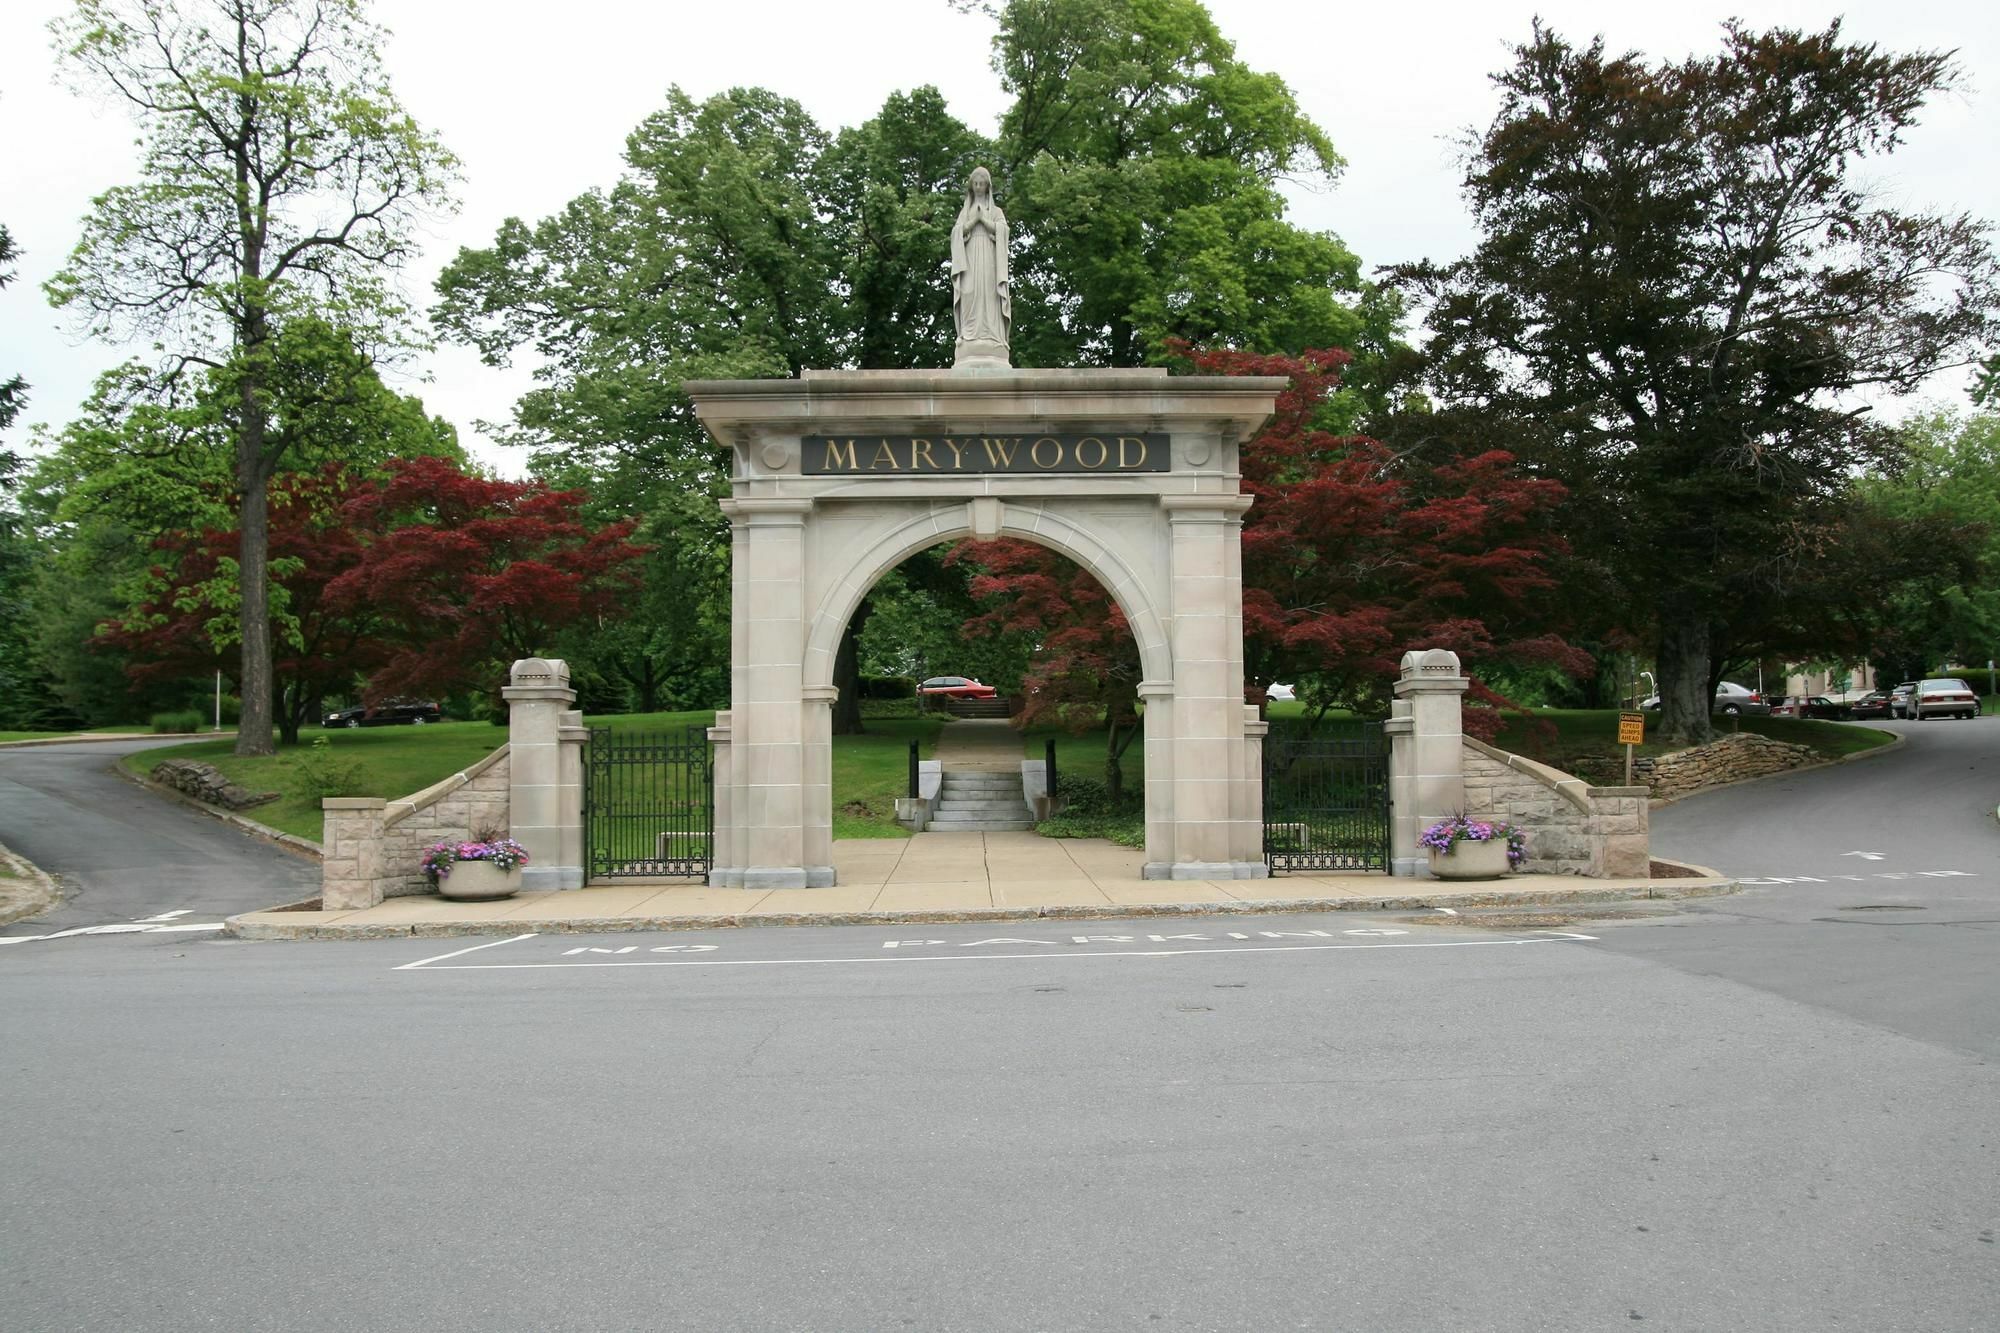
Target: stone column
{"x": 1157, "y": 696}
{"x": 725, "y": 848}
{"x": 817, "y": 785}
{"x": 768, "y": 744}
{"x": 571, "y": 737}
{"x": 1405, "y": 857}
{"x": 350, "y": 870}
{"x": 1428, "y": 758}
{"x": 1211, "y": 806}
{"x": 1248, "y": 805}
{"x": 537, "y": 699}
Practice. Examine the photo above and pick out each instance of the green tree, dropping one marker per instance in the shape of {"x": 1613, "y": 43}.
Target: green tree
{"x": 1681, "y": 285}
{"x": 279, "y": 177}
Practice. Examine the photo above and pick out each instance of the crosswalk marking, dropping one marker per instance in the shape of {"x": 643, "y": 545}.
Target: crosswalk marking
{"x": 150, "y": 926}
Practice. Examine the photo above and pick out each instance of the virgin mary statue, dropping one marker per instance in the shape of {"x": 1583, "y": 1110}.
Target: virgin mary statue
{"x": 982, "y": 304}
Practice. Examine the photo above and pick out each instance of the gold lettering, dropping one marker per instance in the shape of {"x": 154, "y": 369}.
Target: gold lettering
{"x": 1125, "y": 459}
{"x": 957, "y": 454}
{"x": 1035, "y": 451}
{"x": 884, "y": 454}
{"x": 833, "y": 458}
{"x": 921, "y": 449}
{"x": 1102, "y": 452}
{"x": 1000, "y": 452}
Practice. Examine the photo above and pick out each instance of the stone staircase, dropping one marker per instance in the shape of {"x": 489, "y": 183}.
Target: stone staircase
{"x": 975, "y": 801}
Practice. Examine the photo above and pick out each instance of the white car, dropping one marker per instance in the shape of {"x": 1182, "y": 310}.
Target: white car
{"x": 1942, "y": 697}
{"x": 1277, "y": 691}
{"x": 1731, "y": 700}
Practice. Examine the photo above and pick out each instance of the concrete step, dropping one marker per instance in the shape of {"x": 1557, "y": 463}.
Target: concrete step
{"x": 980, "y": 826}
{"x": 1014, "y": 809}
{"x": 981, "y": 788}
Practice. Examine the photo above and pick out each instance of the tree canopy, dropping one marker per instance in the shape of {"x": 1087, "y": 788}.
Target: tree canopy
{"x": 1681, "y": 288}
{"x": 279, "y": 178}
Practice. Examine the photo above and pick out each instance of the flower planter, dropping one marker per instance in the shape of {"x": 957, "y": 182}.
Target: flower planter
{"x": 478, "y": 882}
{"x": 1471, "y": 860}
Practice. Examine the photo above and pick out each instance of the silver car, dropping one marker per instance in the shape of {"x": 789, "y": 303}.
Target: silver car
{"x": 1944, "y": 696}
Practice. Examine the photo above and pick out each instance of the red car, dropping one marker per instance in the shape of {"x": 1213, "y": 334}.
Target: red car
{"x": 955, "y": 687}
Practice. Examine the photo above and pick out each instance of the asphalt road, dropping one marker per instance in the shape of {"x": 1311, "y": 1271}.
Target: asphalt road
{"x": 1723, "y": 1118}
{"x": 121, "y": 854}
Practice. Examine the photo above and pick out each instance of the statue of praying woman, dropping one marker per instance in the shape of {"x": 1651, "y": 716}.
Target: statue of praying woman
{"x": 982, "y": 303}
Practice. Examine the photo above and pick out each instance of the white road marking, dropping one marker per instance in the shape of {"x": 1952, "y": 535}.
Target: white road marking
{"x": 1448, "y": 911}
{"x": 1566, "y": 935}
{"x": 490, "y": 944}
{"x": 1867, "y": 856}
{"x": 168, "y": 916}
{"x": 954, "y": 958}
{"x": 117, "y": 928}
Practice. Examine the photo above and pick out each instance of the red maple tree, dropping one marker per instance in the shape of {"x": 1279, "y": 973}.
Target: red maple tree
{"x": 1352, "y": 556}
{"x": 468, "y": 573}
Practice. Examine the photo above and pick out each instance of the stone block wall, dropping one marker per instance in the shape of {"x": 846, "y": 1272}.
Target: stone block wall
{"x": 1571, "y": 827}
{"x": 1731, "y": 759}
{"x": 372, "y": 846}
{"x": 205, "y": 783}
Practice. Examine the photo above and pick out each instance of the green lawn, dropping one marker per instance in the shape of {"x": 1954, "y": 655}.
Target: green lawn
{"x": 869, "y": 771}
{"x": 1594, "y": 732}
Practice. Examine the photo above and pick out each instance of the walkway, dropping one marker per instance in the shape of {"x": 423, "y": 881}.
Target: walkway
{"x": 945, "y": 877}
{"x": 979, "y": 744}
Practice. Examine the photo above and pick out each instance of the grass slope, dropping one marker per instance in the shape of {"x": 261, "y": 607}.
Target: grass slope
{"x": 869, "y": 771}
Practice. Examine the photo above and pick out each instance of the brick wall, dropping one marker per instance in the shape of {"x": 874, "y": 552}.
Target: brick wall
{"x": 372, "y": 846}
{"x": 1571, "y": 827}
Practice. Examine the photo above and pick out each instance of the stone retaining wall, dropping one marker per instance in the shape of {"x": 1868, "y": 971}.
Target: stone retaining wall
{"x": 1571, "y": 827}
{"x": 372, "y": 846}
{"x": 1731, "y": 759}
{"x": 205, "y": 783}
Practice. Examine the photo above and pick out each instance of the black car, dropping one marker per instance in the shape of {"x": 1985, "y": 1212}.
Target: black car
{"x": 1873, "y": 704}
{"x": 393, "y": 713}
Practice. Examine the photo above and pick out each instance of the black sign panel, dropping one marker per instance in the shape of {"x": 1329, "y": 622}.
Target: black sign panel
{"x": 924, "y": 455}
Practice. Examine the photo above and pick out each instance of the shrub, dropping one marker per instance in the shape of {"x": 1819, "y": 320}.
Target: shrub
{"x": 322, "y": 773}
{"x": 184, "y": 722}
{"x": 888, "y": 687}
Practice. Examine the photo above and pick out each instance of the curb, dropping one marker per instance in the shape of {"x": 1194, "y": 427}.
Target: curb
{"x": 41, "y": 890}
{"x": 241, "y": 927}
{"x": 301, "y": 847}
{"x": 1895, "y": 743}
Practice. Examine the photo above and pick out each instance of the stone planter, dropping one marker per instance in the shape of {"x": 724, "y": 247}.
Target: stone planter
{"x": 1472, "y": 860}
{"x": 478, "y": 882}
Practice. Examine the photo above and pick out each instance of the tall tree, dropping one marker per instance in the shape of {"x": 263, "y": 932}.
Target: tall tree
{"x": 1685, "y": 284}
{"x": 279, "y": 177}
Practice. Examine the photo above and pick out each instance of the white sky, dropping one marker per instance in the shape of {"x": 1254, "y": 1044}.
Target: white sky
{"x": 537, "y": 100}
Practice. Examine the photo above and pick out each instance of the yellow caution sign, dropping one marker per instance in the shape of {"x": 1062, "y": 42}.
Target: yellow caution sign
{"x": 1631, "y": 728}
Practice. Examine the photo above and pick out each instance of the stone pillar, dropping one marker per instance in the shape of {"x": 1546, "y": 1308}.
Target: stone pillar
{"x": 1212, "y": 807}
{"x": 1157, "y": 696}
{"x": 1427, "y": 755}
{"x": 350, "y": 870}
{"x": 537, "y": 699}
{"x": 768, "y": 711}
{"x": 725, "y": 847}
{"x": 1248, "y": 805}
{"x": 571, "y": 737}
{"x": 817, "y": 785}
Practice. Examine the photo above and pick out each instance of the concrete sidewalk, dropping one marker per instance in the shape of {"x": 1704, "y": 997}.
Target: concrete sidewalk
{"x": 946, "y": 877}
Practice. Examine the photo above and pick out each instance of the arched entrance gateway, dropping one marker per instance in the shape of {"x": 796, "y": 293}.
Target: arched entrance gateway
{"x": 840, "y": 475}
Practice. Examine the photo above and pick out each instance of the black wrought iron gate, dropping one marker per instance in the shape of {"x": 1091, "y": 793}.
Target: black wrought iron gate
{"x": 648, "y": 804}
{"x": 1326, "y": 797}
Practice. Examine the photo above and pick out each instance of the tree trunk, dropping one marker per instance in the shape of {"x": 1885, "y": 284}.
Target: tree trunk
{"x": 1686, "y": 697}
{"x": 847, "y": 675}
{"x": 253, "y": 727}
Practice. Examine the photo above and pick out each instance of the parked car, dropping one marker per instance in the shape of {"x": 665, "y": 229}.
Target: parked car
{"x": 1899, "y": 699}
{"x": 1818, "y": 705}
{"x": 955, "y": 687}
{"x": 1944, "y": 696}
{"x": 392, "y": 713}
{"x": 1873, "y": 704}
{"x": 1731, "y": 700}
{"x": 1277, "y": 691}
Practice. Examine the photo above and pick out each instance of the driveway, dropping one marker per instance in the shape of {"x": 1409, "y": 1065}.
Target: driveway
{"x": 122, "y": 853}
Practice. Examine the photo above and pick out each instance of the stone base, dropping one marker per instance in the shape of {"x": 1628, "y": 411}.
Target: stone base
{"x": 542, "y": 879}
{"x": 773, "y": 877}
{"x": 1416, "y": 867}
{"x": 1205, "y": 870}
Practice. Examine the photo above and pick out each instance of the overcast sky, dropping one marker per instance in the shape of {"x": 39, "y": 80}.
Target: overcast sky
{"x": 537, "y": 99}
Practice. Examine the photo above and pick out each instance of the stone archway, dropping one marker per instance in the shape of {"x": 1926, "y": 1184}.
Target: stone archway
{"x": 838, "y": 476}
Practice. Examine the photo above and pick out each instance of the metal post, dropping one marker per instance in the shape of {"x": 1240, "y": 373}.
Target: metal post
{"x": 913, "y": 770}
{"x": 1049, "y": 767}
